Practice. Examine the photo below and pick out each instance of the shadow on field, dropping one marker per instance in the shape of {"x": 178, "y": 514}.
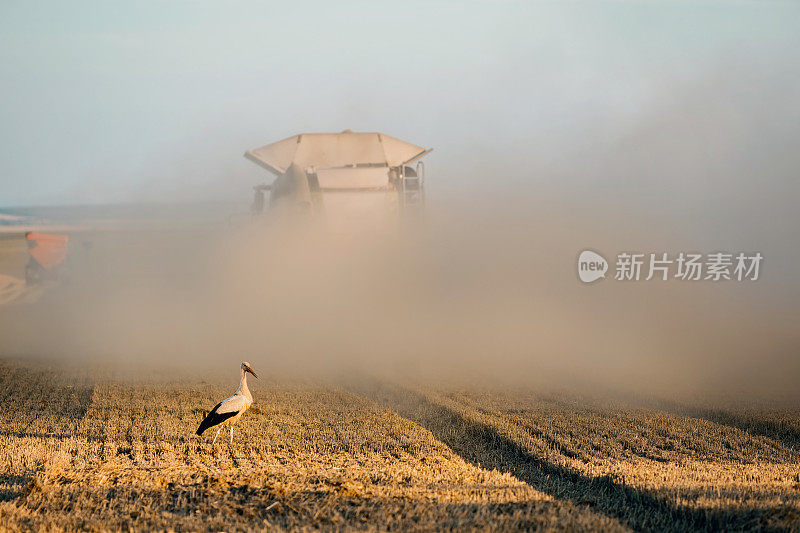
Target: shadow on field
{"x": 211, "y": 506}
{"x": 12, "y": 486}
{"x": 484, "y": 447}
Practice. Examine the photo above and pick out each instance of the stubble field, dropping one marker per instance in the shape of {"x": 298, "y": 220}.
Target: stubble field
{"x": 91, "y": 448}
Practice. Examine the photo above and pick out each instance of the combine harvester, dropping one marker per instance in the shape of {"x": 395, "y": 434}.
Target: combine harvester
{"x": 349, "y": 180}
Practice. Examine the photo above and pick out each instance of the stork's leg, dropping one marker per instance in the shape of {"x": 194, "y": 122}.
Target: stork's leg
{"x": 216, "y": 435}
{"x": 231, "y": 433}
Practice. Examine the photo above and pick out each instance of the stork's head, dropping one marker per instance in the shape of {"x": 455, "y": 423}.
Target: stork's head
{"x": 246, "y": 368}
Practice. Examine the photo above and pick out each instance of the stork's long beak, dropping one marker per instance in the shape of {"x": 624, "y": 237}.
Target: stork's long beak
{"x": 248, "y": 369}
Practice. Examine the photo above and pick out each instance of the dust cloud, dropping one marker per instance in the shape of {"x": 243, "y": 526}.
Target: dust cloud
{"x": 482, "y": 293}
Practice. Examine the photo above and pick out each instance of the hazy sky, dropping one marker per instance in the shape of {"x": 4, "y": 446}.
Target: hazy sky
{"x": 140, "y": 101}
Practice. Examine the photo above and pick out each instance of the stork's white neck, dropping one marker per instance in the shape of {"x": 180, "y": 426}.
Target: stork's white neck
{"x": 243, "y": 387}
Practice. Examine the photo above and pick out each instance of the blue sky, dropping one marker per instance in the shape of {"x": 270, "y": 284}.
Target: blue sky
{"x": 143, "y": 101}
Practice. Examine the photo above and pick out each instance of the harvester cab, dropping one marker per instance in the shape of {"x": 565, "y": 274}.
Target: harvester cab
{"x": 360, "y": 178}
{"x": 46, "y": 255}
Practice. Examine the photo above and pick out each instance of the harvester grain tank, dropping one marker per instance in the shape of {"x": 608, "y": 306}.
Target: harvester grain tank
{"x": 364, "y": 178}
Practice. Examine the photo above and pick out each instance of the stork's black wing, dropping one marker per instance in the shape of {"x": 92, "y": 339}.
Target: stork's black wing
{"x": 214, "y": 417}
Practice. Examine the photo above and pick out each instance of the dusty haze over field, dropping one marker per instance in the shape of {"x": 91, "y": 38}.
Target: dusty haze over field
{"x": 486, "y": 293}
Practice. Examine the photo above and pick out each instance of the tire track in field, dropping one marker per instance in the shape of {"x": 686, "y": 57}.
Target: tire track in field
{"x": 774, "y": 424}
{"x": 482, "y": 445}
{"x": 785, "y": 432}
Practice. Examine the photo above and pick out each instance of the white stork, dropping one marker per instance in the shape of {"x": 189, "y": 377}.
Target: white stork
{"x": 230, "y": 409}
